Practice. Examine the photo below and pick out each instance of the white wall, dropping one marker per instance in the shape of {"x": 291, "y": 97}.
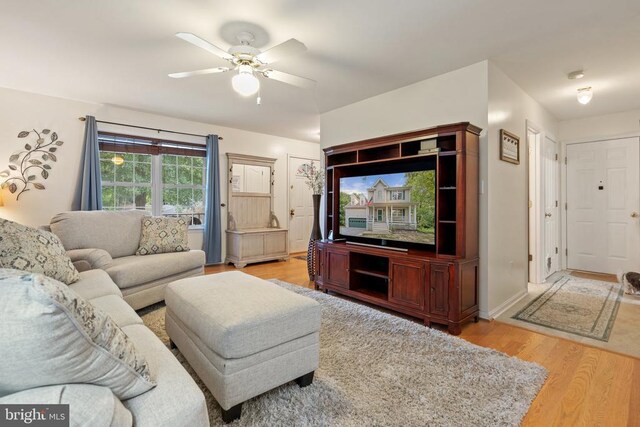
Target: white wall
{"x": 593, "y": 128}
{"x": 24, "y": 111}
{"x": 458, "y": 96}
{"x": 510, "y": 108}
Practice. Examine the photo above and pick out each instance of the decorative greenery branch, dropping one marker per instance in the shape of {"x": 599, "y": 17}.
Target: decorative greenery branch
{"x": 314, "y": 177}
{"x": 22, "y": 163}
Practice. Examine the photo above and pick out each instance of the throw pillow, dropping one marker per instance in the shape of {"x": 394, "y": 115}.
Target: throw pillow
{"x": 161, "y": 234}
{"x": 50, "y": 335}
{"x": 37, "y": 251}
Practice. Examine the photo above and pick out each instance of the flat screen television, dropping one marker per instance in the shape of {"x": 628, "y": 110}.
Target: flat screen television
{"x": 396, "y": 207}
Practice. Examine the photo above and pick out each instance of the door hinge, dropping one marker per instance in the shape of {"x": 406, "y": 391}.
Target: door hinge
{"x": 566, "y": 206}
{"x": 556, "y": 250}
{"x": 566, "y": 252}
{"x": 556, "y": 157}
{"x": 530, "y": 257}
{"x": 556, "y": 203}
{"x": 565, "y": 160}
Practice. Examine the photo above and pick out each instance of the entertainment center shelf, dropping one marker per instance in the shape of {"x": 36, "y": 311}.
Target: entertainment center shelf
{"x": 437, "y": 283}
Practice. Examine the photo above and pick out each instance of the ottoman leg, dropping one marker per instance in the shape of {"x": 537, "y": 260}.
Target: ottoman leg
{"x": 231, "y": 414}
{"x": 172, "y": 345}
{"x": 305, "y": 380}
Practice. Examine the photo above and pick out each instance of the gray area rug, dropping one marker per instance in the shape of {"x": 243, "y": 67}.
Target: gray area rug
{"x": 377, "y": 369}
{"x": 576, "y": 305}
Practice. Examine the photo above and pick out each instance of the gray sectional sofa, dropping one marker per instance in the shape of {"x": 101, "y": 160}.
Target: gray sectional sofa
{"x": 109, "y": 240}
{"x": 112, "y": 278}
{"x": 176, "y": 400}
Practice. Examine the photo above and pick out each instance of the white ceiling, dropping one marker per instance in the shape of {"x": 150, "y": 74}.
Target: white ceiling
{"x": 120, "y": 51}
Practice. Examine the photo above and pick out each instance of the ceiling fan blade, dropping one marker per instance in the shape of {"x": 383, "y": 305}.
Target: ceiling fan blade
{"x": 199, "y": 72}
{"x": 203, "y": 44}
{"x": 276, "y": 53}
{"x": 288, "y": 78}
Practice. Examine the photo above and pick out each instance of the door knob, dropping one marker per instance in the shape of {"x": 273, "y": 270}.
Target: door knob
{"x": 547, "y": 215}
{"x": 292, "y": 212}
{"x": 634, "y": 215}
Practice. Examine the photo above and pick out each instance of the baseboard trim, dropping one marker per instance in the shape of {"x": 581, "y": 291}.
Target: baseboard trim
{"x": 504, "y": 306}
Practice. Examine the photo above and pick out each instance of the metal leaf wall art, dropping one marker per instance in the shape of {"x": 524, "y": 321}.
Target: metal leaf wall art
{"x": 26, "y": 167}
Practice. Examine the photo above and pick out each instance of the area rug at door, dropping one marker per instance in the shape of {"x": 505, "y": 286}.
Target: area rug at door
{"x": 377, "y": 369}
{"x": 576, "y": 305}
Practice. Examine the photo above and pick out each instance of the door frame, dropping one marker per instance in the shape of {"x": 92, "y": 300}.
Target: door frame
{"x": 289, "y": 157}
{"x": 536, "y": 201}
{"x": 564, "y": 229}
{"x": 535, "y": 204}
{"x": 558, "y": 199}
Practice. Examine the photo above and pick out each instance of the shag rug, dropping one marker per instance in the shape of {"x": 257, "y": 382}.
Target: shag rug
{"x": 377, "y": 369}
{"x": 576, "y": 305}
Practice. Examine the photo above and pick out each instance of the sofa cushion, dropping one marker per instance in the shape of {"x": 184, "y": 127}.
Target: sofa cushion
{"x": 94, "y": 284}
{"x": 117, "y": 309}
{"x": 116, "y": 232}
{"x": 136, "y": 270}
{"x": 37, "y": 251}
{"x": 163, "y": 234}
{"x": 237, "y": 315}
{"x": 176, "y": 400}
{"x": 50, "y": 335}
{"x": 89, "y": 405}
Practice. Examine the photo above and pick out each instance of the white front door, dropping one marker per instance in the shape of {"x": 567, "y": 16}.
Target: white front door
{"x": 551, "y": 209}
{"x": 603, "y": 201}
{"x": 300, "y": 206}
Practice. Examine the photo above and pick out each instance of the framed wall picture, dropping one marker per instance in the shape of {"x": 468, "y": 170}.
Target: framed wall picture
{"x": 509, "y": 147}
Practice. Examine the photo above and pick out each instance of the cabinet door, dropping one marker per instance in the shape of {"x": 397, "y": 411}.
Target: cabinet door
{"x": 337, "y": 268}
{"x": 439, "y": 290}
{"x": 319, "y": 267}
{"x": 406, "y": 283}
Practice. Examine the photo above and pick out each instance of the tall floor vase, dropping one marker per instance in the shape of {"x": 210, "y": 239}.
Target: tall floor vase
{"x": 316, "y": 234}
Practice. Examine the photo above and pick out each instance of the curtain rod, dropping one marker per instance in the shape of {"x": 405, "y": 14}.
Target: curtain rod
{"x": 82, "y": 119}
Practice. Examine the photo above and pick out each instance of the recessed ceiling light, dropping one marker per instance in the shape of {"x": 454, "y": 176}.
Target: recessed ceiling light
{"x": 584, "y": 95}
{"x": 575, "y": 75}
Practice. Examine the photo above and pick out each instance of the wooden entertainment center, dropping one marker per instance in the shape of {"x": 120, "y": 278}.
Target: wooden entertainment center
{"x": 438, "y": 286}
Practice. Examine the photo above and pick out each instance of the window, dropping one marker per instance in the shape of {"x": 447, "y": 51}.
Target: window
{"x": 397, "y": 214}
{"x": 158, "y": 176}
{"x": 379, "y": 215}
{"x": 397, "y": 195}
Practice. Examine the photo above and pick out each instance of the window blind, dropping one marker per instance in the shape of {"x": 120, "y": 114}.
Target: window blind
{"x": 119, "y": 143}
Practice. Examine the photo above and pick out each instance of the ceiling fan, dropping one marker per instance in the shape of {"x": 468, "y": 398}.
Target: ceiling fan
{"x": 249, "y": 61}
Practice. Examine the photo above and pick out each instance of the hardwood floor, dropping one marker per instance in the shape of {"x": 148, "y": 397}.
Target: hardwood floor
{"x": 586, "y": 386}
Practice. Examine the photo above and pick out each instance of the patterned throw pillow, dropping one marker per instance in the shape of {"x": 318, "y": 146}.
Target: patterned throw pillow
{"x": 161, "y": 234}
{"x": 37, "y": 251}
{"x": 50, "y": 335}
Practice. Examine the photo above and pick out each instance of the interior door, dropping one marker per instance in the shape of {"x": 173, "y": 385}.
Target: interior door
{"x": 603, "y": 201}
{"x": 551, "y": 209}
{"x": 300, "y": 206}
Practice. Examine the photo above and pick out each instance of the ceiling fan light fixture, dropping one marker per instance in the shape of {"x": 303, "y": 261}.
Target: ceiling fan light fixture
{"x": 245, "y": 83}
{"x": 584, "y": 95}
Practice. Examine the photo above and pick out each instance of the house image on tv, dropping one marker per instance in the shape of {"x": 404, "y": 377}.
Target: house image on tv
{"x": 383, "y": 209}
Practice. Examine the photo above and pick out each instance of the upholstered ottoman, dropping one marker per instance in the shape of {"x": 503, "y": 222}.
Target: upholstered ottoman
{"x": 242, "y": 335}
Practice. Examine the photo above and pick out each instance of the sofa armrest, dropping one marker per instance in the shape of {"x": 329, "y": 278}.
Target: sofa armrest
{"x": 89, "y": 259}
{"x": 88, "y": 404}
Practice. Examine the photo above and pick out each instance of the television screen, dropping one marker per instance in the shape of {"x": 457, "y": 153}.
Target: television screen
{"x": 395, "y": 206}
